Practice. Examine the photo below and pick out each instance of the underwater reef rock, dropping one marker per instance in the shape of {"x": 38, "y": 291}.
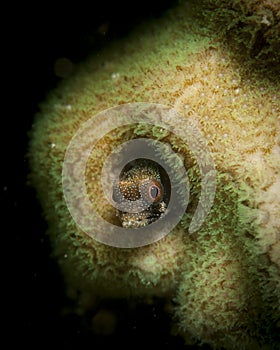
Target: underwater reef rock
{"x": 224, "y": 278}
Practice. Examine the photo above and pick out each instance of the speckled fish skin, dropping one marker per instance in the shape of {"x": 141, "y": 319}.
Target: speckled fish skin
{"x": 131, "y": 187}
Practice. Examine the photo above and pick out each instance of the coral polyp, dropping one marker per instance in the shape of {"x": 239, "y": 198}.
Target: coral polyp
{"x": 224, "y": 278}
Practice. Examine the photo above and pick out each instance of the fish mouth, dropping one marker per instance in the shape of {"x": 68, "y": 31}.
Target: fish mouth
{"x": 132, "y": 222}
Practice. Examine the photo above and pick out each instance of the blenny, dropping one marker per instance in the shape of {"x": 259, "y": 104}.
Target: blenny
{"x": 140, "y": 194}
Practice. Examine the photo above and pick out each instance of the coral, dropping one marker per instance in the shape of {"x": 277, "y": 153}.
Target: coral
{"x": 225, "y": 278}
{"x": 253, "y": 24}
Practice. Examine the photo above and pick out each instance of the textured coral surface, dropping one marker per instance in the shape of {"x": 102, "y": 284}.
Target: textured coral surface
{"x": 252, "y": 24}
{"x": 225, "y": 278}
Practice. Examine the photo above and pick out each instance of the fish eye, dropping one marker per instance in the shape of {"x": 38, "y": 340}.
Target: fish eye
{"x": 155, "y": 191}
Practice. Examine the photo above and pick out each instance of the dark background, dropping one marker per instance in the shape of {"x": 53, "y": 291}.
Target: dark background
{"x": 34, "y": 37}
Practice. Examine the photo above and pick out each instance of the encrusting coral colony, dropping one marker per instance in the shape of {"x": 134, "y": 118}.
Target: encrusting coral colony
{"x": 220, "y": 62}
